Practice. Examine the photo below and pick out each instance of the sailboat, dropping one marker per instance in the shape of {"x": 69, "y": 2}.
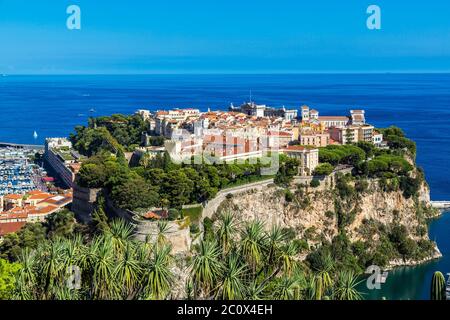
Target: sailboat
{"x": 35, "y": 135}
{"x": 92, "y": 110}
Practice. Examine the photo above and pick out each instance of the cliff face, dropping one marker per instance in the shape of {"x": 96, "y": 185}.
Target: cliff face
{"x": 318, "y": 215}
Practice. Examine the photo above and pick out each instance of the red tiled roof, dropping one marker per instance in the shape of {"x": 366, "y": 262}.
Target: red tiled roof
{"x": 40, "y": 196}
{"x": 33, "y": 192}
{"x": 13, "y": 196}
{"x": 11, "y": 227}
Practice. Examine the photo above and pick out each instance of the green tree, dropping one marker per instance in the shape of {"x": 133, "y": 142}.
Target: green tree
{"x": 8, "y": 272}
{"x": 60, "y": 224}
{"x": 323, "y": 169}
{"x": 134, "y": 194}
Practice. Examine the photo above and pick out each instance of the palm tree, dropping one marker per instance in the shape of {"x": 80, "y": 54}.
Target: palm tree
{"x": 226, "y": 229}
{"x": 70, "y": 252}
{"x": 345, "y": 287}
{"x": 206, "y": 267}
{"x": 232, "y": 286}
{"x": 253, "y": 243}
{"x": 157, "y": 276}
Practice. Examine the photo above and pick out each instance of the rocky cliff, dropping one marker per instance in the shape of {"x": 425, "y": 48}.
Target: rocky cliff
{"x": 359, "y": 208}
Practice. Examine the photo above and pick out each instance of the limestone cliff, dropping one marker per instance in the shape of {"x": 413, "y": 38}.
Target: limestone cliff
{"x": 319, "y": 214}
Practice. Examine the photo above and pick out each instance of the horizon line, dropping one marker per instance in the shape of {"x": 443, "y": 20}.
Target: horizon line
{"x": 228, "y": 73}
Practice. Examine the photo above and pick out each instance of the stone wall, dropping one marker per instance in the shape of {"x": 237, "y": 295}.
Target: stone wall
{"x": 178, "y": 232}
{"x": 210, "y": 207}
{"x": 83, "y": 203}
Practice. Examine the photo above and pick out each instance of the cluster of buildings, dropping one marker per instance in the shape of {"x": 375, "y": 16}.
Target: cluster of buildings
{"x": 16, "y": 210}
{"x": 320, "y": 131}
{"x": 252, "y": 131}
{"x": 63, "y": 160}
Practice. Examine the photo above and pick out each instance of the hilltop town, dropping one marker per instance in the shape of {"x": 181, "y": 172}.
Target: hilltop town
{"x": 250, "y": 132}
{"x": 326, "y": 187}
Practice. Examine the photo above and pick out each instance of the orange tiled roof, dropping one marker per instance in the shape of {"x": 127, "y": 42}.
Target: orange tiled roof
{"x": 41, "y": 196}
{"x": 11, "y": 227}
{"x": 13, "y": 197}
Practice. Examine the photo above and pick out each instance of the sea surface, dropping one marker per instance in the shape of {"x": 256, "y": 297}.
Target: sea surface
{"x": 418, "y": 103}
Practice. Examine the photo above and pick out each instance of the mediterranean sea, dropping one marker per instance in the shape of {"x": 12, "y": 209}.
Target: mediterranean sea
{"x": 418, "y": 103}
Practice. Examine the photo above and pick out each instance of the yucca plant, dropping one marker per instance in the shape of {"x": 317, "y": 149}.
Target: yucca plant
{"x": 206, "y": 267}
{"x": 252, "y": 243}
{"x": 226, "y": 230}
{"x": 128, "y": 272}
{"x": 157, "y": 276}
{"x": 232, "y": 286}
{"x": 346, "y": 286}
{"x": 120, "y": 233}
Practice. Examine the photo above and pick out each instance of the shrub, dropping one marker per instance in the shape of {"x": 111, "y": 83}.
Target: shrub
{"x": 315, "y": 183}
{"x": 288, "y": 196}
{"x": 194, "y": 228}
{"x": 174, "y": 214}
{"x": 410, "y": 186}
{"x": 324, "y": 169}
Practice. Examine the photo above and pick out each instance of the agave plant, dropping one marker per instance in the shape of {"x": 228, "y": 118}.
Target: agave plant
{"x": 287, "y": 288}
{"x": 163, "y": 229}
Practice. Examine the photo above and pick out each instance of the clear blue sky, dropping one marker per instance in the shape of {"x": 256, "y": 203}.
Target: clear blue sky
{"x": 233, "y": 36}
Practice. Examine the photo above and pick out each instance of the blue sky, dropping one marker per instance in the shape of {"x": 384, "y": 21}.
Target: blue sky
{"x": 217, "y": 36}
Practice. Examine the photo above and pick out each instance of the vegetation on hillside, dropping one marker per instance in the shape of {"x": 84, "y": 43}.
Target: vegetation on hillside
{"x": 242, "y": 262}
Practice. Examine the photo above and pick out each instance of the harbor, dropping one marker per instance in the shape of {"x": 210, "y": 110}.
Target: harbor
{"x": 18, "y": 173}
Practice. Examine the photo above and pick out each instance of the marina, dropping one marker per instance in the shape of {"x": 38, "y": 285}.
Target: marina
{"x": 18, "y": 173}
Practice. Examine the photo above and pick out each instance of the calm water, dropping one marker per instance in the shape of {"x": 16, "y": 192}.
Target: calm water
{"x": 420, "y": 104}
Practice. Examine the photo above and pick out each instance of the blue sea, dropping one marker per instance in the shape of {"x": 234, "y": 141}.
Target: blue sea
{"x": 418, "y": 103}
